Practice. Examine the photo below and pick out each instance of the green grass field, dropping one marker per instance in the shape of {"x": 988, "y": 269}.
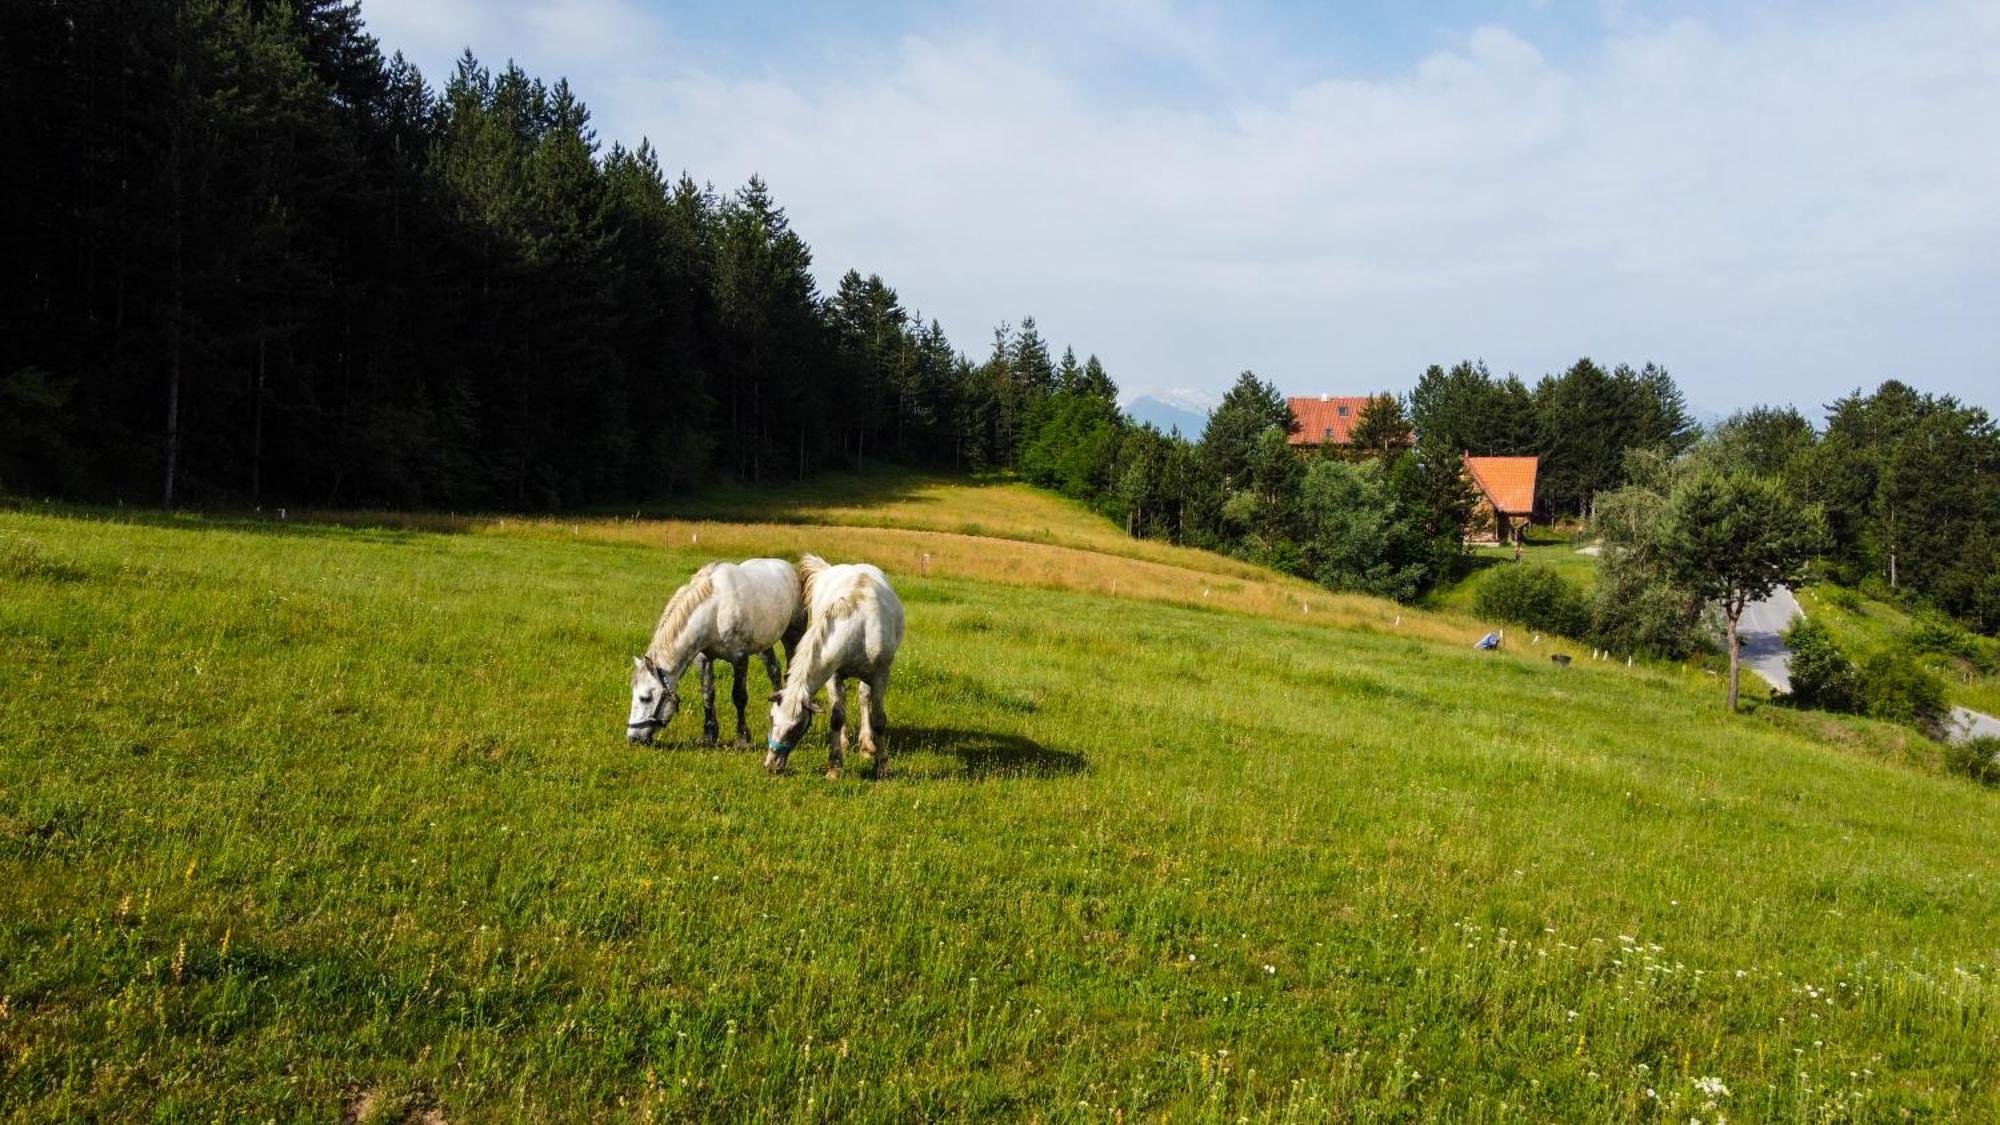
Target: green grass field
{"x": 1579, "y": 570}
{"x": 309, "y": 821}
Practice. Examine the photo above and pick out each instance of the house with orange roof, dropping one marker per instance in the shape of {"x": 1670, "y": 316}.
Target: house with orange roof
{"x": 1506, "y": 488}
{"x": 1326, "y": 419}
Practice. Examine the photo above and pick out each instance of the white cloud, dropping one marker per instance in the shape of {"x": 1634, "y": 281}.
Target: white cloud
{"x": 1780, "y": 212}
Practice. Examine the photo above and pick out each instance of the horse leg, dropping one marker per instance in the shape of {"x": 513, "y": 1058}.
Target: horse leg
{"x": 739, "y": 694}
{"x": 770, "y": 656}
{"x": 875, "y": 725}
{"x": 710, "y": 729}
{"x": 836, "y": 728}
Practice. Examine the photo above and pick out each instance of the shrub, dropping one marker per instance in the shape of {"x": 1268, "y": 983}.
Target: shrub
{"x": 1841, "y": 597}
{"x": 1535, "y": 597}
{"x": 1976, "y": 758}
{"x": 1637, "y": 614}
{"x": 1897, "y": 688}
{"x": 25, "y": 559}
{"x": 1948, "y": 638}
{"x": 1823, "y": 677}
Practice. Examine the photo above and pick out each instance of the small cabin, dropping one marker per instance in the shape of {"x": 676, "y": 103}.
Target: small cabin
{"x": 1506, "y": 503}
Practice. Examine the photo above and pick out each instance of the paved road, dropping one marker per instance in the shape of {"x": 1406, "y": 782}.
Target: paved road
{"x": 1972, "y": 724}
{"x": 1761, "y": 634}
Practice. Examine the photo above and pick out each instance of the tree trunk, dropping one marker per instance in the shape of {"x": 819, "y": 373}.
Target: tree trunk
{"x": 257, "y": 427}
{"x": 1735, "y": 655}
{"x": 176, "y": 305}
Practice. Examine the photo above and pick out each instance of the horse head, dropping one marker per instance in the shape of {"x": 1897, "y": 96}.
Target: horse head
{"x": 789, "y": 723}
{"x": 656, "y": 697}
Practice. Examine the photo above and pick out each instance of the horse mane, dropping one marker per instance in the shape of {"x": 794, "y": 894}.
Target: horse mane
{"x": 861, "y": 593}
{"x": 679, "y": 608}
{"x": 811, "y": 566}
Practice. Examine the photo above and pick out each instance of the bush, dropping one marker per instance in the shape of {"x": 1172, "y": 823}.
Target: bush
{"x": 1840, "y": 597}
{"x": 1976, "y": 758}
{"x": 1535, "y": 597}
{"x": 1948, "y": 638}
{"x": 1823, "y": 677}
{"x": 1634, "y": 614}
{"x": 1897, "y": 688}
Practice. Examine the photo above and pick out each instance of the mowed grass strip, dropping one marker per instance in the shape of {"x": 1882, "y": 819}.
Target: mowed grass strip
{"x": 299, "y": 820}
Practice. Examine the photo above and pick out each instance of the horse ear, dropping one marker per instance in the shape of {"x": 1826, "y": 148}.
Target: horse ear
{"x": 777, "y": 696}
{"x": 638, "y": 662}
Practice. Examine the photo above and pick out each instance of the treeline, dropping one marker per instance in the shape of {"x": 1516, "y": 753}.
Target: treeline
{"x": 1386, "y": 514}
{"x": 255, "y": 261}
{"x": 1910, "y": 484}
{"x": 1898, "y": 495}
{"x": 1580, "y": 422}
{"x": 250, "y": 260}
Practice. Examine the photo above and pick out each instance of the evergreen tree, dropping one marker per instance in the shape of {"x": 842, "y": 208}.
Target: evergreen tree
{"x": 1247, "y": 409}
{"x": 1587, "y": 421}
{"x": 1382, "y": 431}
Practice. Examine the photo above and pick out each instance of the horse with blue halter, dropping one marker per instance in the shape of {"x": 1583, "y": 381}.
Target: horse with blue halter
{"x": 854, "y": 626}
{"x": 727, "y": 611}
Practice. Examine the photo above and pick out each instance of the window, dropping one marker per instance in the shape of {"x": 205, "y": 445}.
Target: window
{"x": 1343, "y": 412}
{"x": 1329, "y": 433}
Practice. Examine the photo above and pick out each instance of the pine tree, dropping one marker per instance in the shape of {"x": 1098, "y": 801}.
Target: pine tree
{"x": 1247, "y": 409}
{"x": 1381, "y": 431}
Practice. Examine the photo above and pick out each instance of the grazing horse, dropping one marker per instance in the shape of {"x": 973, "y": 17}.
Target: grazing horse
{"x": 854, "y": 625}
{"x": 727, "y": 611}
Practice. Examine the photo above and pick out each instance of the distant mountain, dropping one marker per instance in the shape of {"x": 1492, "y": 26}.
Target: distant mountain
{"x": 1166, "y": 417}
{"x": 1182, "y": 409}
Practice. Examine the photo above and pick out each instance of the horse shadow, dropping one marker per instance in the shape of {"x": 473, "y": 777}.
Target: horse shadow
{"x": 984, "y": 754}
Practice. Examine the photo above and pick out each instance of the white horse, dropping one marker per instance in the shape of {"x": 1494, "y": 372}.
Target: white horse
{"x": 727, "y": 611}
{"x": 854, "y": 625}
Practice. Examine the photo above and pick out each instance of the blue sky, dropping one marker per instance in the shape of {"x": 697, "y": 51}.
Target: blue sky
{"x": 1779, "y": 202}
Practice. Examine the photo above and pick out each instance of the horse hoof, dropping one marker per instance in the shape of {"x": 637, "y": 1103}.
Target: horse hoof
{"x": 833, "y": 773}
{"x": 741, "y": 743}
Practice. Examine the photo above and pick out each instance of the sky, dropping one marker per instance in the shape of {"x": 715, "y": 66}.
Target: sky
{"x": 1779, "y": 202}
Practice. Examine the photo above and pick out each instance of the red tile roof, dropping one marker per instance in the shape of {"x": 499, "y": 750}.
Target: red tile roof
{"x": 1326, "y": 419}
{"x": 1508, "y": 482}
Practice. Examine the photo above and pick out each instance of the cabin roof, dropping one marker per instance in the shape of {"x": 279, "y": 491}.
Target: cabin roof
{"x": 1508, "y": 482}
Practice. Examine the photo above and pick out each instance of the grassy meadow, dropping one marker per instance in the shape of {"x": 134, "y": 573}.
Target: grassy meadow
{"x": 335, "y": 820}
{"x": 1579, "y": 569}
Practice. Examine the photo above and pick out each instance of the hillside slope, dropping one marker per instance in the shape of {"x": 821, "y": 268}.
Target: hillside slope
{"x": 310, "y": 817}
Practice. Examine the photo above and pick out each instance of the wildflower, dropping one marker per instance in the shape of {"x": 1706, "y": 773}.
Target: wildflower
{"x": 1711, "y": 1086}
{"x": 1271, "y": 970}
